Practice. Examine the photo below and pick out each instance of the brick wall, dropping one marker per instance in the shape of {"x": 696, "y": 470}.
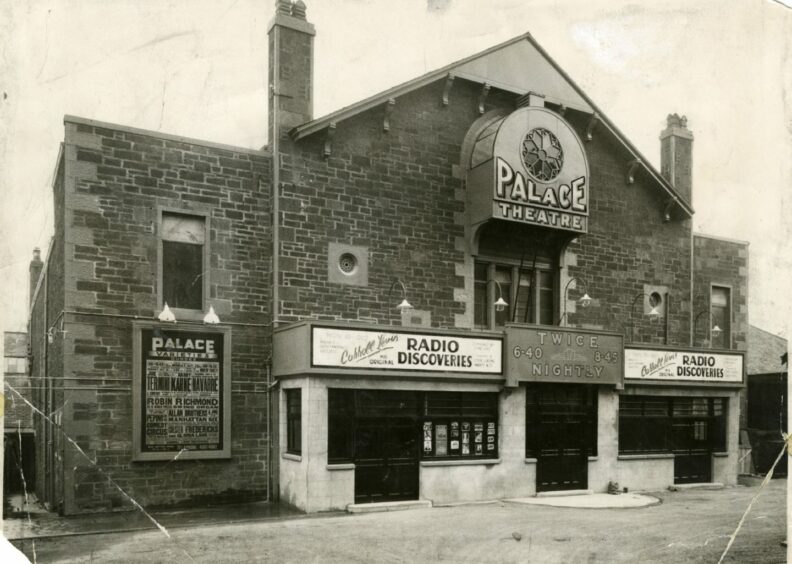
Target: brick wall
{"x": 118, "y": 181}
{"x": 394, "y": 192}
{"x": 721, "y": 262}
{"x": 629, "y": 246}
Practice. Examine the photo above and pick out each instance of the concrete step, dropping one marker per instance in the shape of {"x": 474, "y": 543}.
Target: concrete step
{"x": 697, "y": 486}
{"x": 564, "y": 493}
{"x": 388, "y": 506}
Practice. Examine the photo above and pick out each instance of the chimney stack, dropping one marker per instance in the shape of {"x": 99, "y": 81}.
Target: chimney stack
{"x": 676, "y": 155}
{"x": 35, "y": 272}
{"x": 290, "y": 67}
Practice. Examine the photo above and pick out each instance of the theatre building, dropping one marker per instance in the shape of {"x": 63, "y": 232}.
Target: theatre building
{"x": 471, "y": 286}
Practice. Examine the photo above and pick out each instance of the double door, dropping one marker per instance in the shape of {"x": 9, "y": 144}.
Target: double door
{"x": 386, "y": 443}
{"x": 561, "y": 432}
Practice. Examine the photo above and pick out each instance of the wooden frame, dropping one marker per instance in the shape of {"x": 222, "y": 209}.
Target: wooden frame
{"x": 140, "y": 452}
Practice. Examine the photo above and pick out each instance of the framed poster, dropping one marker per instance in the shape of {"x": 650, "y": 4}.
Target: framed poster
{"x": 181, "y": 387}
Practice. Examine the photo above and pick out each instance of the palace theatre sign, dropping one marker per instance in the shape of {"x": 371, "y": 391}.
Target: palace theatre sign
{"x": 532, "y": 170}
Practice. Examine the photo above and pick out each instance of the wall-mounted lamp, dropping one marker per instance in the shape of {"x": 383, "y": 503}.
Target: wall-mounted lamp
{"x": 403, "y": 306}
{"x": 583, "y": 301}
{"x": 52, "y": 331}
{"x": 714, "y": 330}
{"x": 653, "y": 313}
{"x": 500, "y": 304}
{"x": 211, "y": 317}
{"x": 166, "y": 315}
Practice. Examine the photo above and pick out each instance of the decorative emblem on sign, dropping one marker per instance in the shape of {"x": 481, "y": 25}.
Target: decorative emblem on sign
{"x": 542, "y": 154}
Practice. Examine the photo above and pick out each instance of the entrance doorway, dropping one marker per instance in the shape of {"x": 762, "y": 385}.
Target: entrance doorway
{"x": 19, "y": 463}
{"x": 385, "y": 445}
{"x": 561, "y": 433}
{"x": 386, "y": 459}
{"x": 692, "y": 435}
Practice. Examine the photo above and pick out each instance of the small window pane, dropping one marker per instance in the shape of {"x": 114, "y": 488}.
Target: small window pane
{"x": 183, "y": 228}
{"x": 182, "y": 275}
{"x": 294, "y": 421}
{"x": 480, "y": 295}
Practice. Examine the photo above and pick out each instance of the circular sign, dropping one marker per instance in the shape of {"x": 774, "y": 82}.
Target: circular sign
{"x": 542, "y": 154}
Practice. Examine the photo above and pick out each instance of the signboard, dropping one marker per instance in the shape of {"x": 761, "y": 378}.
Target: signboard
{"x": 392, "y": 350}
{"x": 558, "y": 354}
{"x": 181, "y": 393}
{"x": 701, "y": 367}
{"x": 536, "y": 173}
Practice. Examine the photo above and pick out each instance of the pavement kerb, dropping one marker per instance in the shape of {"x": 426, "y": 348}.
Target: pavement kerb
{"x": 338, "y": 513}
{"x": 186, "y": 525}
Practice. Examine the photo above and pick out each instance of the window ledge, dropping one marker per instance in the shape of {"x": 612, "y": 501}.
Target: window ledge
{"x": 348, "y": 466}
{"x": 720, "y": 454}
{"x": 464, "y": 462}
{"x": 290, "y": 456}
{"x": 533, "y": 460}
{"x": 650, "y": 456}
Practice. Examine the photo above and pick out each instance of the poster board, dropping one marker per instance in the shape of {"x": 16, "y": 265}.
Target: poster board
{"x": 181, "y": 387}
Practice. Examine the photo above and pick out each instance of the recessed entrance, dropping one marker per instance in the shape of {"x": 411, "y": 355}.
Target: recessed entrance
{"x": 561, "y": 433}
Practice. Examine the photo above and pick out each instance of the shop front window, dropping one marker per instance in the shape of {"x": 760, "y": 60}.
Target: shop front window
{"x": 445, "y": 425}
{"x": 651, "y": 424}
{"x": 459, "y": 425}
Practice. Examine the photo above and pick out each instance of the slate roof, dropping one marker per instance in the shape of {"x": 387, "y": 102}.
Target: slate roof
{"x": 486, "y": 67}
{"x": 764, "y": 352}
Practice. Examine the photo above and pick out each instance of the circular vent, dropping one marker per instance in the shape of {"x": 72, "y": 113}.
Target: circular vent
{"x": 347, "y": 263}
{"x": 542, "y": 154}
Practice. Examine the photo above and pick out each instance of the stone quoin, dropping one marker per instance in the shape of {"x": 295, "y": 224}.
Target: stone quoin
{"x": 486, "y": 220}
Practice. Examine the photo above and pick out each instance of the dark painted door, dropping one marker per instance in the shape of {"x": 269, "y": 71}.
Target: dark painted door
{"x": 386, "y": 446}
{"x": 692, "y": 450}
{"x": 564, "y": 416}
{"x": 386, "y": 461}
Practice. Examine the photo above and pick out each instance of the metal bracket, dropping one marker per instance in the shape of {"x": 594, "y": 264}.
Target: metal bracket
{"x": 595, "y": 119}
{"x": 328, "y": 144}
{"x": 388, "y": 111}
{"x": 447, "y": 88}
{"x": 633, "y": 164}
{"x": 485, "y": 89}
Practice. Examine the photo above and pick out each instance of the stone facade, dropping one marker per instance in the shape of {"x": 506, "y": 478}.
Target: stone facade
{"x": 388, "y": 181}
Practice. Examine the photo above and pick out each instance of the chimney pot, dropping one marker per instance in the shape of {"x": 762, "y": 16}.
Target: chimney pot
{"x": 298, "y": 10}
{"x": 35, "y": 272}
{"x": 283, "y": 7}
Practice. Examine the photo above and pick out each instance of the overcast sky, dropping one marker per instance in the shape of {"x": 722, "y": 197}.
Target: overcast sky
{"x": 197, "y": 68}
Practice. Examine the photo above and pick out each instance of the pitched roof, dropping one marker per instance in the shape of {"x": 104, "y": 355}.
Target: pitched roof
{"x": 503, "y": 66}
{"x": 764, "y": 352}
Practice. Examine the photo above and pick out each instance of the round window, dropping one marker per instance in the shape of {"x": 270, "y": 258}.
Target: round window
{"x": 655, "y": 299}
{"x": 542, "y": 154}
{"x": 347, "y": 263}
